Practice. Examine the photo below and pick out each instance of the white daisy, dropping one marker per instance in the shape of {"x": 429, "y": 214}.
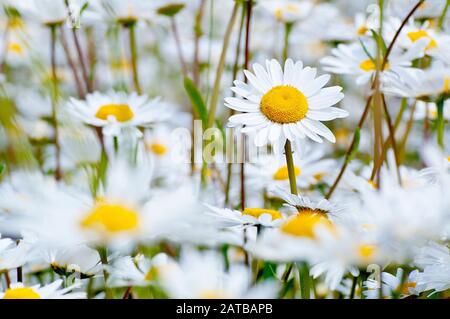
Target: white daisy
{"x": 358, "y": 59}
{"x": 434, "y": 259}
{"x": 115, "y": 111}
{"x": 281, "y": 105}
{"x": 203, "y": 275}
{"x": 12, "y": 255}
{"x": 288, "y": 11}
{"x": 50, "y": 291}
{"x": 392, "y": 285}
{"x": 138, "y": 270}
{"x": 250, "y": 216}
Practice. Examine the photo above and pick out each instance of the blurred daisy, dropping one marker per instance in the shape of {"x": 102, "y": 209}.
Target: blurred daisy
{"x": 122, "y": 12}
{"x": 429, "y": 110}
{"x": 137, "y": 271}
{"x": 392, "y": 285}
{"x": 288, "y": 11}
{"x": 281, "y": 105}
{"x": 250, "y": 216}
{"x": 115, "y": 111}
{"x": 353, "y": 59}
{"x": 434, "y": 259}
{"x": 203, "y": 275}
{"x": 50, "y": 291}
{"x": 12, "y": 255}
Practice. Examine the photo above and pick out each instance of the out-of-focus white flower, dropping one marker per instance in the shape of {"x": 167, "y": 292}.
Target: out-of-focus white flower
{"x": 115, "y": 111}
{"x": 50, "y": 291}
{"x": 392, "y": 285}
{"x": 288, "y": 11}
{"x": 203, "y": 275}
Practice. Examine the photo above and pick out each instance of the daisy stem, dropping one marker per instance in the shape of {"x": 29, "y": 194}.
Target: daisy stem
{"x": 305, "y": 281}
{"x": 290, "y": 167}
{"x": 249, "y": 7}
{"x": 221, "y": 67}
{"x": 134, "y": 56}
{"x": 103, "y": 252}
{"x": 197, "y": 34}
{"x": 7, "y": 279}
{"x": 409, "y": 126}
{"x": 440, "y": 121}
{"x": 287, "y": 31}
{"x": 173, "y": 26}
{"x": 55, "y": 93}
{"x": 353, "y": 289}
{"x": 116, "y": 145}
{"x": 71, "y": 64}
{"x": 443, "y": 15}
{"x": 79, "y": 50}
{"x": 235, "y": 70}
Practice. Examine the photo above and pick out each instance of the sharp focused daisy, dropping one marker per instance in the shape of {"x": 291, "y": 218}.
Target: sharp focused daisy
{"x": 117, "y": 110}
{"x": 289, "y": 104}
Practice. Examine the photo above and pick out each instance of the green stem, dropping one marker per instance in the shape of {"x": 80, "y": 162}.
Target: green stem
{"x": 103, "y": 252}
{"x": 287, "y": 31}
{"x": 443, "y": 15}
{"x": 305, "y": 281}
{"x": 353, "y": 289}
{"x": 54, "y": 100}
{"x": 221, "y": 66}
{"x": 440, "y": 122}
{"x": 290, "y": 167}
{"x": 134, "y": 57}
{"x": 116, "y": 145}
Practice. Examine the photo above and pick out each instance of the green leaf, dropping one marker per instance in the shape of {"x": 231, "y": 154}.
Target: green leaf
{"x": 171, "y": 10}
{"x": 355, "y": 145}
{"x": 379, "y": 39}
{"x": 196, "y": 100}
{"x": 2, "y": 168}
{"x": 366, "y": 50}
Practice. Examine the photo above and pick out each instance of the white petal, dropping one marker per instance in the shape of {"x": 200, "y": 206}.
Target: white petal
{"x": 276, "y": 72}
{"x": 320, "y": 129}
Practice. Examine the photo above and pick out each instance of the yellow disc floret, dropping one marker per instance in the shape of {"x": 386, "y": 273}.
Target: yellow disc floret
{"x": 256, "y": 212}
{"x": 21, "y": 293}
{"x": 122, "y": 112}
{"x": 420, "y": 34}
{"x": 305, "y": 224}
{"x": 369, "y": 65}
{"x": 282, "y": 173}
{"x": 284, "y": 104}
{"x": 112, "y": 218}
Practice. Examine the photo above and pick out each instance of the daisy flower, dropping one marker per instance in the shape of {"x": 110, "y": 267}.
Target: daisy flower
{"x": 138, "y": 270}
{"x": 115, "y": 111}
{"x": 250, "y": 216}
{"x": 429, "y": 110}
{"x": 392, "y": 285}
{"x": 281, "y": 105}
{"x": 12, "y": 255}
{"x": 122, "y": 12}
{"x": 434, "y": 259}
{"x": 358, "y": 60}
{"x": 50, "y": 291}
{"x": 203, "y": 275}
{"x": 288, "y": 11}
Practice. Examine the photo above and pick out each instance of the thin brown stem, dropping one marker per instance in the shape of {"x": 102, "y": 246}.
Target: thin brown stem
{"x": 197, "y": 34}
{"x": 71, "y": 63}
{"x": 176, "y": 36}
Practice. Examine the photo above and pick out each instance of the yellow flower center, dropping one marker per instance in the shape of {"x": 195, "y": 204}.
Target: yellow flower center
{"x": 406, "y": 287}
{"x": 152, "y": 274}
{"x": 213, "y": 294}
{"x": 366, "y": 251}
{"x": 419, "y": 34}
{"x": 362, "y": 30}
{"x": 282, "y": 173}
{"x": 284, "y": 104}
{"x": 305, "y": 223}
{"x": 15, "y": 48}
{"x": 256, "y": 212}
{"x": 158, "y": 148}
{"x": 111, "y": 218}
{"x": 21, "y": 293}
{"x": 369, "y": 65}
{"x": 122, "y": 112}
{"x": 446, "y": 88}
{"x": 448, "y": 159}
